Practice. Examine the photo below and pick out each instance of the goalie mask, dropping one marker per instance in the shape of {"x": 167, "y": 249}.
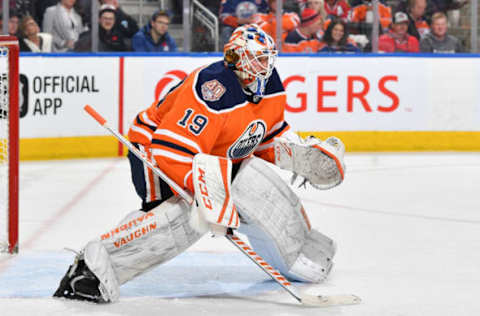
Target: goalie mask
{"x": 251, "y": 53}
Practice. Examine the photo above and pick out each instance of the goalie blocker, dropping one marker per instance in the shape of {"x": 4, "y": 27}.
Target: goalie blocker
{"x": 213, "y": 209}
{"x": 270, "y": 213}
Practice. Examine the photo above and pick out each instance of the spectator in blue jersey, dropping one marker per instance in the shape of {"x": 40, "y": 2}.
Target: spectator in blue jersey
{"x": 154, "y": 37}
{"x": 335, "y": 39}
{"x": 234, "y": 13}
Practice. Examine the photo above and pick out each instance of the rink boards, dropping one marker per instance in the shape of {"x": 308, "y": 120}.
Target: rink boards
{"x": 374, "y": 103}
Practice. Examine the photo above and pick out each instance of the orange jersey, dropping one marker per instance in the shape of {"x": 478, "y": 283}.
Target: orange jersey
{"x": 359, "y": 14}
{"x": 268, "y": 23}
{"x": 209, "y": 112}
{"x": 422, "y": 27}
{"x": 297, "y": 42}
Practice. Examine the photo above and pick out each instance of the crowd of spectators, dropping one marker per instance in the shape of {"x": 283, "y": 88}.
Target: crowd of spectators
{"x": 332, "y": 26}
{"x": 308, "y": 26}
{"x": 65, "y": 26}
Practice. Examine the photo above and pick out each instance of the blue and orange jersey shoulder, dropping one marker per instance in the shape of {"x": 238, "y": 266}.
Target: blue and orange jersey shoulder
{"x": 209, "y": 112}
{"x": 296, "y": 42}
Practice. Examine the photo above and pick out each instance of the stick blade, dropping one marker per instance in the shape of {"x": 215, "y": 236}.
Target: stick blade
{"x": 330, "y": 300}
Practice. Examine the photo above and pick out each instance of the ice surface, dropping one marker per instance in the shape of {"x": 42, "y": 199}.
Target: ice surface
{"x": 407, "y": 228}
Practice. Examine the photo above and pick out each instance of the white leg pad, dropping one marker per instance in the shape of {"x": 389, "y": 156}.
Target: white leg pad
{"x": 276, "y": 224}
{"x": 140, "y": 242}
{"x": 97, "y": 259}
{"x": 315, "y": 259}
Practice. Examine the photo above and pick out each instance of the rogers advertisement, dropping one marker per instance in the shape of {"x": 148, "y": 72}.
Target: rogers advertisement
{"x": 326, "y": 93}
{"x": 322, "y": 93}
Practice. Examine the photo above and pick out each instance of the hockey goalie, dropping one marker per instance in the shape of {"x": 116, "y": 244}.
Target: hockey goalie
{"x": 214, "y": 134}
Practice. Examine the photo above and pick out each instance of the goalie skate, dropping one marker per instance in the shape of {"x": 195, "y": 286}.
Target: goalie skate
{"x": 79, "y": 283}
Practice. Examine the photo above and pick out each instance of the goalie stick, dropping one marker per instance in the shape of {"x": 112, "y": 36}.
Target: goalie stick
{"x": 305, "y": 299}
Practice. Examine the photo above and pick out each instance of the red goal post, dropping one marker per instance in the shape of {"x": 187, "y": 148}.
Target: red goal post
{"x": 9, "y": 143}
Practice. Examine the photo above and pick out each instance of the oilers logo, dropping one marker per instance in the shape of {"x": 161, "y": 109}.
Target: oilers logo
{"x": 245, "y": 9}
{"x": 248, "y": 141}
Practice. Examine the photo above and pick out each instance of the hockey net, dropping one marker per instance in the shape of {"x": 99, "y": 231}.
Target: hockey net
{"x": 9, "y": 139}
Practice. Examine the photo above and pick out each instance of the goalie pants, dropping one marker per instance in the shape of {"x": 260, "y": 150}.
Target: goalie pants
{"x": 271, "y": 214}
{"x": 149, "y": 187}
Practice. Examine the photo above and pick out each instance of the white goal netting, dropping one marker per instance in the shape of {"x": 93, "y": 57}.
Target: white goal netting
{"x": 4, "y": 152}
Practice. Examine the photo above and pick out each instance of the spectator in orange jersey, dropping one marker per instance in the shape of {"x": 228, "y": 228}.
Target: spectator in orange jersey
{"x": 335, "y": 39}
{"x": 337, "y": 9}
{"x": 318, "y": 6}
{"x": 363, "y": 14}
{"x": 417, "y": 25}
{"x": 268, "y": 22}
{"x": 304, "y": 39}
{"x": 398, "y": 39}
